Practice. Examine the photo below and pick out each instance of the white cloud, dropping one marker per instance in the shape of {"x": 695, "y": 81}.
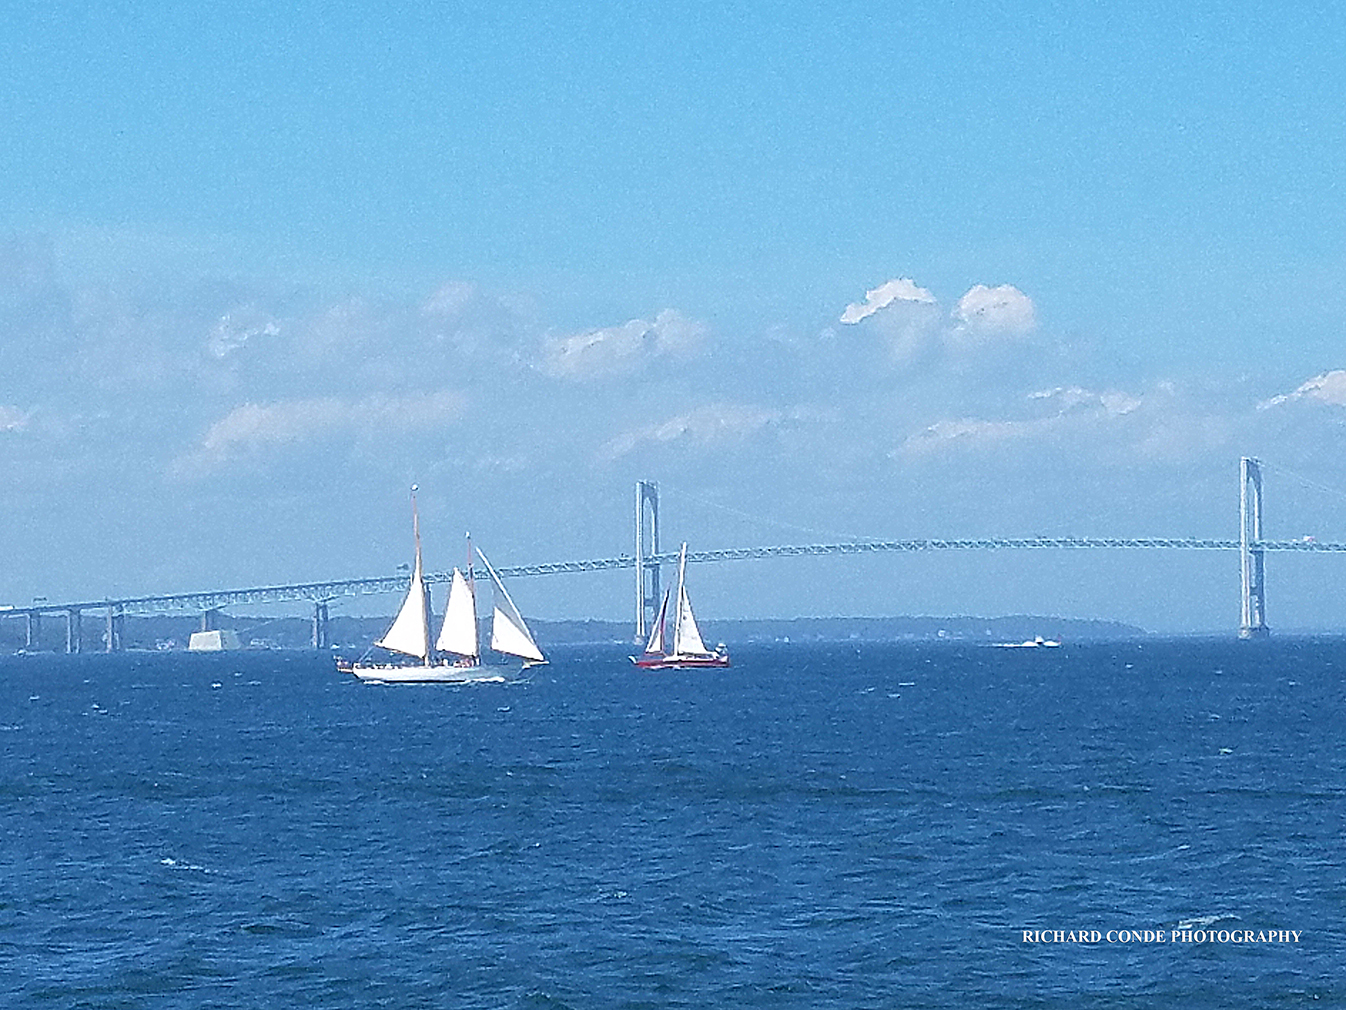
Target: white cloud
{"x": 708, "y": 425}
{"x": 903, "y": 315}
{"x": 1330, "y": 388}
{"x": 450, "y": 299}
{"x": 253, "y": 426}
{"x": 1071, "y": 408}
{"x": 910, "y": 319}
{"x": 985, "y": 314}
{"x": 14, "y": 419}
{"x": 968, "y": 431}
{"x": 256, "y": 424}
{"x": 899, "y": 290}
{"x": 234, "y": 329}
{"x": 624, "y": 350}
{"x": 1065, "y": 398}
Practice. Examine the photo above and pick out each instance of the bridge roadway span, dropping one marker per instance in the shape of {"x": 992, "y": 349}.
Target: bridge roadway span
{"x": 323, "y": 592}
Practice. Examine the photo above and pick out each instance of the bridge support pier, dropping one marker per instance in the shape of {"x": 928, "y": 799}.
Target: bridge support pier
{"x": 322, "y": 638}
{"x": 72, "y": 630}
{"x": 1253, "y": 623}
{"x": 647, "y": 548}
{"x": 112, "y": 636}
{"x": 32, "y": 631}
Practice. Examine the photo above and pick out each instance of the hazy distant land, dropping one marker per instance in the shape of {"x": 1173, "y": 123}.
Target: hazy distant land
{"x": 356, "y": 633}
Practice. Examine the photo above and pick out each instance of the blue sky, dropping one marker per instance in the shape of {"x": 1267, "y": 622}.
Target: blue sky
{"x": 264, "y": 267}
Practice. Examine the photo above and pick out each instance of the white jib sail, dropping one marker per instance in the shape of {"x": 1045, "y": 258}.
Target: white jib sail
{"x": 459, "y": 631}
{"x": 410, "y": 631}
{"x": 509, "y": 633}
{"x": 656, "y": 642}
{"x": 686, "y": 636}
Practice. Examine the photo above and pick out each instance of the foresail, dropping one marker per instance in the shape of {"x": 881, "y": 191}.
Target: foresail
{"x": 509, "y": 633}
{"x": 459, "y": 631}
{"x": 686, "y": 635}
{"x": 410, "y": 633}
{"x": 656, "y": 642}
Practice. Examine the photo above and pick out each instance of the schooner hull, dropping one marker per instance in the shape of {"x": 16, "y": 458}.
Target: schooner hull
{"x": 444, "y": 673}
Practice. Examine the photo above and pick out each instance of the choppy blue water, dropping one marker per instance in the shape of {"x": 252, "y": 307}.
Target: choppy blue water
{"x": 824, "y": 825}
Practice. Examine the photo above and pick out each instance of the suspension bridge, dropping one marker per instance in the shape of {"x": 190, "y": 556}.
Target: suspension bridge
{"x": 648, "y": 558}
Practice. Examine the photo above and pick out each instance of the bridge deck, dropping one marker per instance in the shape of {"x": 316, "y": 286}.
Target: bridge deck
{"x": 318, "y": 592}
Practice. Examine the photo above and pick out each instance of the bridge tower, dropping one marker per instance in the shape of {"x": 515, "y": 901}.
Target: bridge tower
{"x": 647, "y": 549}
{"x": 1251, "y": 553}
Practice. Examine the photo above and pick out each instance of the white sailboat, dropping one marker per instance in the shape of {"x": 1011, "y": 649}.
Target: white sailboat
{"x": 409, "y": 634}
{"x": 1036, "y": 642}
{"x": 689, "y": 651}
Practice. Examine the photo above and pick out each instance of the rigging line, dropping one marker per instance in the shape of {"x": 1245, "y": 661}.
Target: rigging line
{"x": 1335, "y": 492}
{"x": 763, "y": 519}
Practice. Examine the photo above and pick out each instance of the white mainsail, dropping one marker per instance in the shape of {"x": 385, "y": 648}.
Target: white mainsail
{"x": 410, "y": 631}
{"x": 459, "y": 631}
{"x": 509, "y": 633}
{"x": 686, "y": 637}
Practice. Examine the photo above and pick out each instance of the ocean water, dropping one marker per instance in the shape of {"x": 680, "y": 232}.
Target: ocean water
{"x": 824, "y": 825}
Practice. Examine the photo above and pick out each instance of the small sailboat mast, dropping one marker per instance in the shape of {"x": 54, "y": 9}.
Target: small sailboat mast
{"x": 686, "y": 636}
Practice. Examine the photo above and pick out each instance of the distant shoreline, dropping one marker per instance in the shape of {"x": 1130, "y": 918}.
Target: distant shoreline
{"x": 170, "y": 632}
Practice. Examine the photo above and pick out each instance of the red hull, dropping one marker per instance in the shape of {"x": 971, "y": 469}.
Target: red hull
{"x": 657, "y": 662}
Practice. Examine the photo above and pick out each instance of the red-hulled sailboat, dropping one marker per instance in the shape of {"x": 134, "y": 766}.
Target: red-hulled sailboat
{"x": 689, "y": 651}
